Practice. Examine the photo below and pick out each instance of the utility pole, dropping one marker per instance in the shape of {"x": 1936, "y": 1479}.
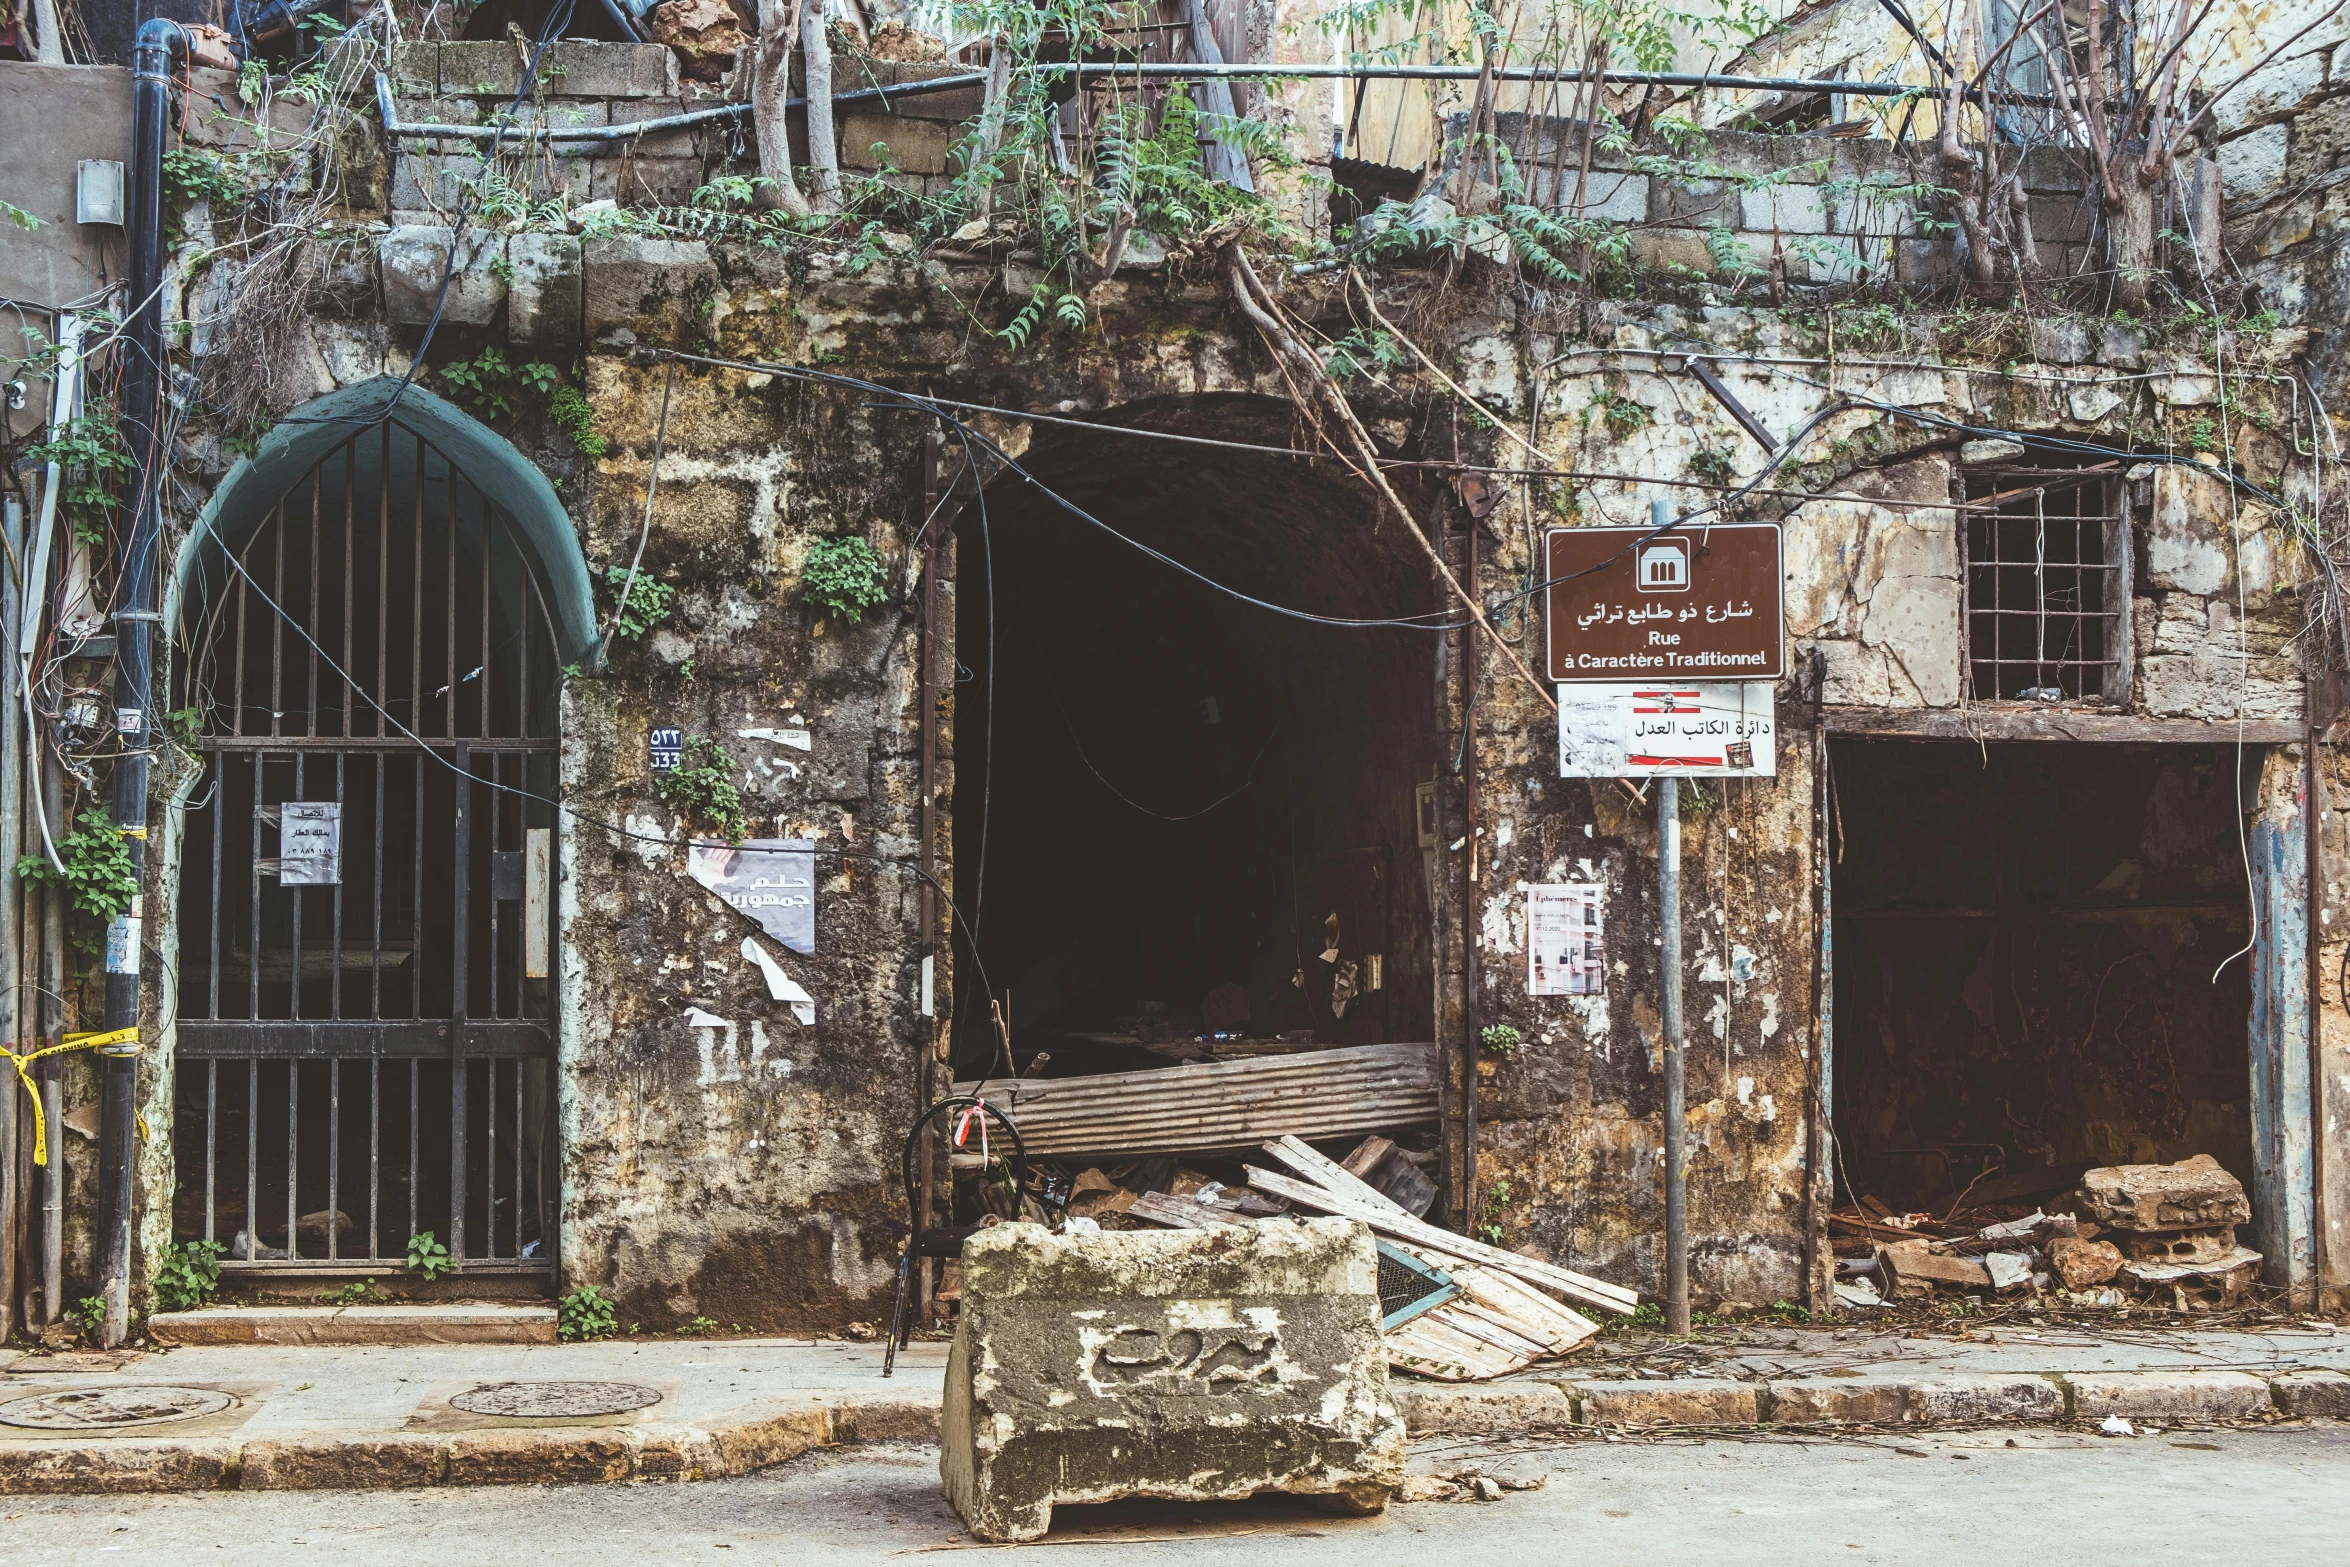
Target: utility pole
{"x": 11, "y": 943}
{"x": 1668, "y": 907}
{"x": 160, "y": 45}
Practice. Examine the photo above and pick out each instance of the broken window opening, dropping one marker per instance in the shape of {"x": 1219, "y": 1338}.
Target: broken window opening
{"x": 2025, "y": 942}
{"x": 2047, "y": 584}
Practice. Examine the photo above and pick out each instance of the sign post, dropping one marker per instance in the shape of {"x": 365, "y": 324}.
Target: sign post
{"x": 1665, "y": 643}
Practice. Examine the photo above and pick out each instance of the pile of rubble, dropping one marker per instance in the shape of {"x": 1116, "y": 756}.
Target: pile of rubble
{"x": 2165, "y": 1232}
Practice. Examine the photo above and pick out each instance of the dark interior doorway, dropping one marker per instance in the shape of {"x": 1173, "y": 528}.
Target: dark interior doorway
{"x": 1200, "y": 817}
{"x": 2038, "y": 961}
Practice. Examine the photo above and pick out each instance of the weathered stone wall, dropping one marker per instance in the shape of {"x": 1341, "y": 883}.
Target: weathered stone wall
{"x": 747, "y": 1171}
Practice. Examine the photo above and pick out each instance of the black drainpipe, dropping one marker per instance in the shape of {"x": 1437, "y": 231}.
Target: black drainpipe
{"x": 161, "y": 46}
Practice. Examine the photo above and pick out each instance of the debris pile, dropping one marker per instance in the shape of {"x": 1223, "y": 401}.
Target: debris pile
{"x": 2175, "y": 1226}
{"x": 1452, "y": 1308}
{"x": 1456, "y": 1309}
{"x": 2161, "y": 1231}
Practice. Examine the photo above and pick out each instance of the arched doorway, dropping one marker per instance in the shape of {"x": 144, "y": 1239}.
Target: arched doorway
{"x": 371, "y": 651}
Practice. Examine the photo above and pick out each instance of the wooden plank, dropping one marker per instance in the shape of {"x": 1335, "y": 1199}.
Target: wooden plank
{"x": 1390, "y": 1220}
{"x": 1558, "y": 1329}
{"x": 1366, "y": 1157}
{"x": 1176, "y": 1213}
{"x": 1332, "y": 1176}
{"x": 1434, "y": 1344}
{"x": 1220, "y": 1106}
{"x": 538, "y": 885}
{"x": 1993, "y": 723}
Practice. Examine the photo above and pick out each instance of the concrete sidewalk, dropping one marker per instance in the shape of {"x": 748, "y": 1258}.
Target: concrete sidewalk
{"x": 298, "y": 1418}
{"x": 295, "y": 1418}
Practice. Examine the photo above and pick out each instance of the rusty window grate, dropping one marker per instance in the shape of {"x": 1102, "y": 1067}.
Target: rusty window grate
{"x": 2047, "y": 584}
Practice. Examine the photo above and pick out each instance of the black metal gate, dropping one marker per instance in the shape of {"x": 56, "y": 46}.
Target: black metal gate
{"x": 366, "y": 908}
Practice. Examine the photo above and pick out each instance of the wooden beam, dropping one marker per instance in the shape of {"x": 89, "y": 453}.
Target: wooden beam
{"x": 1387, "y": 1219}
{"x": 2055, "y": 723}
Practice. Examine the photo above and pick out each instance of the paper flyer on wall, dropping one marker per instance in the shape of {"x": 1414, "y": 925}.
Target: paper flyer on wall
{"x": 1566, "y": 949}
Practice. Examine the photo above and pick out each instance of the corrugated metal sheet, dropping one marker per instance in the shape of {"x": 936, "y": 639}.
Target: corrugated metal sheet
{"x": 1224, "y": 1106}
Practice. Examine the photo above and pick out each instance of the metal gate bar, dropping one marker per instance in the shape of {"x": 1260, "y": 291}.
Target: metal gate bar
{"x": 443, "y": 958}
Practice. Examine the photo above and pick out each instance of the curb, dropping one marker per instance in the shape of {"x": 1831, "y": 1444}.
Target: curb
{"x": 1530, "y": 1409}
{"x": 743, "y": 1440}
{"x": 757, "y": 1436}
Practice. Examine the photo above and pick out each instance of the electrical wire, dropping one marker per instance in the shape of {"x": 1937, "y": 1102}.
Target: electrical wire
{"x": 652, "y": 488}
{"x": 1077, "y": 744}
{"x": 973, "y": 437}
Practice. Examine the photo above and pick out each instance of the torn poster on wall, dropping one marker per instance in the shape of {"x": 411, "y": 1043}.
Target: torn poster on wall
{"x": 782, "y": 986}
{"x": 773, "y": 880}
{"x": 1699, "y": 729}
{"x": 1566, "y": 949}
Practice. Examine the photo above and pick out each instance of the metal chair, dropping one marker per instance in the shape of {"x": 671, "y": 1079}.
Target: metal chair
{"x": 947, "y": 1240}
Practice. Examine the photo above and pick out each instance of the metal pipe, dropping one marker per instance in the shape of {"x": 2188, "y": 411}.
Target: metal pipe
{"x": 161, "y": 45}
{"x": 1731, "y": 405}
{"x": 926, "y": 685}
{"x": 1468, "y": 774}
{"x": 1668, "y": 913}
{"x": 52, "y": 1078}
{"x": 2313, "y": 830}
{"x": 65, "y": 398}
{"x": 11, "y": 947}
{"x": 1187, "y": 71}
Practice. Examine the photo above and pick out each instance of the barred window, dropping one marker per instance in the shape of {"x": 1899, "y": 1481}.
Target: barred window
{"x": 2047, "y": 583}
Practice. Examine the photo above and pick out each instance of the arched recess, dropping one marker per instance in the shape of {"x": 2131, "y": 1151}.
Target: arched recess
{"x": 504, "y": 475}
{"x": 370, "y": 626}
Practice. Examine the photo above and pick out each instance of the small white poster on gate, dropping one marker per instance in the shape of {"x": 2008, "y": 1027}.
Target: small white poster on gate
{"x": 1566, "y": 947}
{"x": 1696, "y": 729}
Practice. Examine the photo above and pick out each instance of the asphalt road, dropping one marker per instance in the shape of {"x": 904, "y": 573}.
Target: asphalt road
{"x": 2083, "y": 1501}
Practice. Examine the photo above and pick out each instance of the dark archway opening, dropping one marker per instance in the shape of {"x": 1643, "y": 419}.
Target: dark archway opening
{"x": 2026, "y": 939}
{"x": 1200, "y": 819}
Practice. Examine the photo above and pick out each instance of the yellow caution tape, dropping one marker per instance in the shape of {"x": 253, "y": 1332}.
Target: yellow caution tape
{"x": 23, "y": 1064}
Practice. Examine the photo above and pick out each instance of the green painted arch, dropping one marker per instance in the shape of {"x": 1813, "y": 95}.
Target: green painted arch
{"x": 490, "y": 463}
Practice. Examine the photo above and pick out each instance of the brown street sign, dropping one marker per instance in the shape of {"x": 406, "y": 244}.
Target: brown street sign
{"x": 1695, "y": 603}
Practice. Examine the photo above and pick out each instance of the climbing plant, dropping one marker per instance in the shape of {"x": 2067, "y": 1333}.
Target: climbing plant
{"x": 94, "y": 869}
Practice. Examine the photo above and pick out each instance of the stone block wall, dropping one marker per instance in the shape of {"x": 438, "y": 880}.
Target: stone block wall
{"x": 1834, "y": 210}
{"x": 586, "y": 84}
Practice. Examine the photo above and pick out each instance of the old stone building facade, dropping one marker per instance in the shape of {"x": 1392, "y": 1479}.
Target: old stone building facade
{"x": 1150, "y": 694}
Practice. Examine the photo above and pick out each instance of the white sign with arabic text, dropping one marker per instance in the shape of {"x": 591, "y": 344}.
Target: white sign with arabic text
{"x": 1696, "y": 729}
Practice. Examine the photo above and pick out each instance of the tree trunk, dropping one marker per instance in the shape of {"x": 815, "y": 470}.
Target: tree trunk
{"x": 770, "y": 91}
{"x": 823, "y": 153}
{"x": 48, "y": 34}
{"x": 2129, "y": 239}
{"x": 991, "y": 119}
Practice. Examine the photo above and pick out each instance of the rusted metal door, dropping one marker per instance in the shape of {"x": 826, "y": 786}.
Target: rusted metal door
{"x": 366, "y": 1023}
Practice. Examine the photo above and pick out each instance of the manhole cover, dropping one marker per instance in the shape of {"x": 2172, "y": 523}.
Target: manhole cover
{"x": 106, "y": 1408}
{"x": 554, "y": 1400}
